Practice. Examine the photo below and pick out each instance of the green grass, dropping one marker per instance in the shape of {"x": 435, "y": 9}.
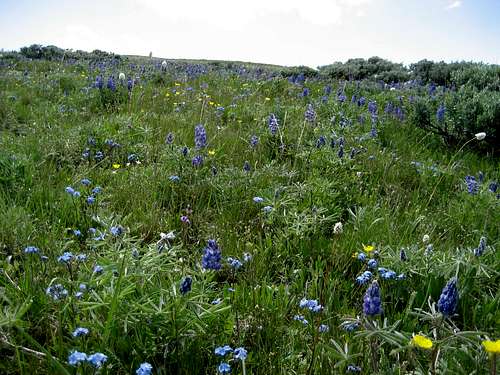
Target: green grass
{"x": 134, "y": 309}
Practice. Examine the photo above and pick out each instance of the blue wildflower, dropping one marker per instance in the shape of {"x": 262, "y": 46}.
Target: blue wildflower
{"x": 212, "y": 256}
{"x": 77, "y": 232}
{"x": 310, "y": 114}
{"x": 361, "y": 257}
{"x": 300, "y": 318}
{"x": 247, "y": 257}
{"x": 144, "y": 369}
{"x": 403, "y": 256}
{"x": 240, "y": 353}
{"x": 224, "y": 368}
{"x": 98, "y": 269}
{"x": 90, "y": 199}
{"x": 99, "y": 155}
{"x": 323, "y": 328}
{"x": 267, "y": 209}
{"x": 372, "y": 263}
{"x": 31, "y": 250}
{"x": 440, "y": 113}
{"x": 352, "y": 368}
{"x": 216, "y": 301}
{"x": 80, "y": 331}
{"x": 340, "y": 153}
{"x": 65, "y": 258}
{"x": 320, "y": 142}
{"x": 254, "y": 141}
{"x": 85, "y": 182}
{"x": 273, "y": 124}
{"x": 197, "y": 161}
{"x": 448, "y": 300}
{"x": 350, "y": 326}
{"x": 111, "y": 84}
{"x": 223, "y": 350}
{"x": 493, "y": 187}
{"x": 185, "y": 151}
{"x": 258, "y": 199}
{"x": 81, "y": 257}
{"x": 481, "y": 248}
{"x": 372, "y": 304}
{"x": 76, "y": 357}
{"x": 57, "y": 292}
{"x": 361, "y": 101}
{"x": 132, "y": 158}
{"x": 234, "y": 263}
{"x": 186, "y": 285}
{"x": 174, "y": 178}
{"x": 116, "y": 230}
{"x": 246, "y": 166}
{"x": 200, "y": 136}
{"x": 169, "y": 139}
{"x": 310, "y": 304}
{"x": 472, "y": 184}
{"x": 97, "y": 359}
{"x": 364, "y": 278}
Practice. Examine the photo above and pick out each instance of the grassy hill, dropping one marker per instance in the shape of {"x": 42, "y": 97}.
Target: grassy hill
{"x": 323, "y": 225}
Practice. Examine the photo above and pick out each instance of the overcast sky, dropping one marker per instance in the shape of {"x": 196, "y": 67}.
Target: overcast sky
{"x": 286, "y": 32}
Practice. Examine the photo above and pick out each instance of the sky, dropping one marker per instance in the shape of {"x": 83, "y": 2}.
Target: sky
{"x": 283, "y": 32}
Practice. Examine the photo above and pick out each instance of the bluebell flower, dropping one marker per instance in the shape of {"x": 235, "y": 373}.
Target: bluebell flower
{"x": 340, "y": 153}
{"x": 31, "y": 250}
{"x": 90, "y": 199}
{"x": 214, "y": 170}
{"x": 99, "y": 82}
{"x": 212, "y": 256}
{"x": 75, "y": 358}
{"x": 320, "y": 142}
{"x": 493, "y": 187}
{"x": 350, "y": 326}
{"x": 327, "y": 90}
{"x": 77, "y": 232}
{"x": 234, "y": 263}
{"x": 323, "y": 328}
{"x": 258, "y": 199}
{"x": 310, "y": 114}
{"x": 185, "y": 151}
{"x": 403, "y": 256}
{"x": 99, "y": 155}
{"x": 305, "y": 92}
{"x": 267, "y": 209}
{"x": 174, "y": 178}
{"x": 197, "y": 161}
{"x": 401, "y": 276}
{"x": 372, "y": 107}
{"x": 223, "y": 350}
{"x": 186, "y": 285}
{"x": 169, "y": 139}
{"x": 310, "y": 304}
{"x": 69, "y": 190}
{"x": 97, "y": 359}
{"x": 111, "y": 84}
{"x": 373, "y": 131}
{"x": 144, "y": 369}
{"x": 389, "y": 108}
{"x": 224, "y": 368}
{"x": 130, "y": 84}
{"x": 246, "y": 166}
{"x": 364, "y": 277}
{"x": 200, "y": 136}
{"x": 81, "y": 257}
{"x": 273, "y": 124}
{"x": 86, "y": 153}
{"x": 372, "y": 263}
{"x": 80, "y": 331}
{"x": 85, "y": 181}
{"x": 216, "y": 301}
{"x": 372, "y": 303}
{"x": 472, "y": 184}
{"x": 65, "y": 258}
{"x": 386, "y": 274}
{"x": 132, "y": 158}
{"x": 429, "y": 249}
{"x": 440, "y": 113}
{"x": 361, "y": 101}
{"x": 116, "y": 230}
{"x": 481, "y": 248}
{"x": 341, "y": 97}
{"x": 353, "y": 98}
{"x": 361, "y": 257}
{"x": 57, "y": 292}
{"x": 448, "y": 300}
{"x": 300, "y": 318}
{"x": 98, "y": 269}
{"x": 247, "y": 257}
{"x": 254, "y": 141}
{"x": 240, "y": 353}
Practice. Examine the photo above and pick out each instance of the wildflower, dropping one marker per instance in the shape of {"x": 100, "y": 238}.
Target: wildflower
{"x": 372, "y": 107}
{"x": 323, "y": 328}
{"x": 240, "y": 353}
{"x": 111, "y": 84}
{"x": 98, "y": 269}
{"x": 197, "y": 161}
{"x": 402, "y": 255}
{"x": 448, "y": 300}
{"x": 65, "y": 258}
{"x": 429, "y": 249}
{"x": 144, "y": 369}
{"x": 361, "y": 257}
{"x": 421, "y": 341}
{"x": 211, "y": 152}
{"x": 254, "y": 141}
{"x": 372, "y": 263}
{"x": 116, "y": 231}
{"x": 214, "y": 170}
{"x": 273, "y": 124}
{"x": 77, "y": 232}
{"x": 211, "y": 256}
{"x": 352, "y": 368}
{"x": 57, "y": 292}
{"x": 186, "y": 285}
{"x": 132, "y": 158}
{"x": 386, "y": 273}
{"x": 31, "y": 250}
{"x": 223, "y": 350}
{"x": 267, "y": 209}
{"x": 185, "y": 219}
{"x": 80, "y": 331}
{"x": 81, "y": 257}
{"x": 320, "y": 142}
{"x": 350, "y": 326}
{"x": 200, "y": 136}
{"x": 90, "y": 199}
{"x": 224, "y": 368}
{"x": 482, "y": 246}
{"x": 121, "y": 76}
{"x": 99, "y": 155}
{"x": 116, "y": 166}
{"x": 258, "y": 199}
{"x": 310, "y": 114}
{"x": 472, "y": 184}
{"x": 440, "y": 113}
{"x": 247, "y": 257}
{"x": 338, "y": 228}
{"x": 300, "y": 318}
{"x": 185, "y": 151}
{"x": 340, "y": 153}
{"x": 372, "y": 304}
{"x": 169, "y": 139}
{"x": 85, "y": 182}
{"x": 364, "y": 278}
{"x": 368, "y": 248}
{"x": 311, "y": 305}
{"x": 492, "y": 347}
{"x": 97, "y": 359}
{"x": 246, "y": 166}
{"x": 234, "y": 263}
{"x": 480, "y": 136}
{"x": 76, "y": 357}
{"x": 493, "y": 187}
{"x": 216, "y": 301}
{"x": 174, "y": 178}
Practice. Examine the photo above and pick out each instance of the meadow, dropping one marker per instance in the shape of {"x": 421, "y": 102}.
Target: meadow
{"x": 188, "y": 217}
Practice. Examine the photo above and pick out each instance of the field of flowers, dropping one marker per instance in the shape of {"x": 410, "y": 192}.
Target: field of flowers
{"x": 201, "y": 218}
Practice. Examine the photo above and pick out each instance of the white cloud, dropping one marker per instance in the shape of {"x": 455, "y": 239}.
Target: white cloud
{"x": 455, "y": 4}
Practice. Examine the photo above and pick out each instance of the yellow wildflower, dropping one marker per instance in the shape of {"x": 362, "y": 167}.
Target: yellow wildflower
{"x": 267, "y": 99}
{"x": 422, "y": 342}
{"x": 211, "y": 152}
{"x": 177, "y": 84}
{"x": 116, "y": 166}
{"x": 167, "y": 94}
{"x": 492, "y": 347}
{"x": 368, "y": 248}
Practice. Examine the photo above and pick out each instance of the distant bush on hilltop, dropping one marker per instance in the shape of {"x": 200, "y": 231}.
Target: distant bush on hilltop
{"x": 37, "y": 51}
